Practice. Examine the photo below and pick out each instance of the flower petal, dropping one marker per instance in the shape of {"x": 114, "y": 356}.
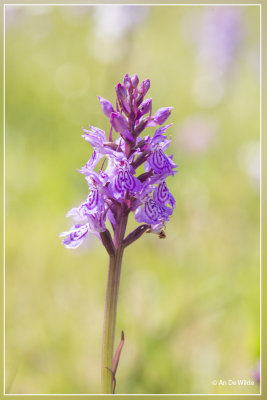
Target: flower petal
{"x": 75, "y": 236}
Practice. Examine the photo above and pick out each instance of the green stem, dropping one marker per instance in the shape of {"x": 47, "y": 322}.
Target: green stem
{"x": 111, "y": 307}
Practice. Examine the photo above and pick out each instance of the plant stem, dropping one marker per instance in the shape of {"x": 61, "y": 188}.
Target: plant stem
{"x": 111, "y": 305}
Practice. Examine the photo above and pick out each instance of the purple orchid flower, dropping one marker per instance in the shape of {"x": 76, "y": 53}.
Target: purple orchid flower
{"x": 163, "y": 196}
{"x": 117, "y": 188}
{"x": 152, "y": 213}
{"x": 124, "y": 181}
{"x": 118, "y": 183}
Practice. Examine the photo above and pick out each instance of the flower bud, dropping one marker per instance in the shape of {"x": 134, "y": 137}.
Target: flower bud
{"x": 146, "y": 106}
{"x": 120, "y": 126}
{"x": 121, "y": 92}
{"x": 135, "y": 80}
{"x": 106, "y": 106}
{"x": 118, "y": 122}
{"x": 127, "y": 81}
{"x": 160, "y": 116}
{"x": 144, "y": 87}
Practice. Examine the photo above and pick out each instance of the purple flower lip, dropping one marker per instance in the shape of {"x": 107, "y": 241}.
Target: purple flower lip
{"x": 124, "y": 181}
{"x": 163, "y": 196}
{"x": 160, "y": 162}
{"x": 152, "y": 213}
{"x": 75, "y": 236}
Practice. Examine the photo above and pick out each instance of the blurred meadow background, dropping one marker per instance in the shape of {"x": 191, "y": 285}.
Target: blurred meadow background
{"x": 189, "y": 305}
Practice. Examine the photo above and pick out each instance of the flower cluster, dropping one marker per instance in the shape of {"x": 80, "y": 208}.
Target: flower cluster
{"x": 115, "y": 186}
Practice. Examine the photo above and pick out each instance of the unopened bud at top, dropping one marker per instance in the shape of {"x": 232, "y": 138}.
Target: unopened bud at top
{"x": 106, "y": 106}
{"x": 121, "y": 92}
{"x": 135, "y": 80}
{"x": 127, "y": 81}
{"x": 144, "y": 87}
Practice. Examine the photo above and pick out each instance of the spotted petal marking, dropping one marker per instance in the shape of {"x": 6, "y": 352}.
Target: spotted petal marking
{"x": 79, "y": 233}
{"x": 163, "y": 196}
{"x": 159, "y": 162}
{"x": 155, "y": 212}
{"x": 118, "y": 182}
{"x": 93, "y": 203}
{"x": 152, "y": 213}
{"x": 75, "y": 236}
{"x": 93, "y": 199}
{"x": 161, "y": 193}
{"x": 129, "y": 181}
{"x": 124, "y": 181}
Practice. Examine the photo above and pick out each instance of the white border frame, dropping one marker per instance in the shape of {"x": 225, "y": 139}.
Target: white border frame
{"x": 140, "y": 5}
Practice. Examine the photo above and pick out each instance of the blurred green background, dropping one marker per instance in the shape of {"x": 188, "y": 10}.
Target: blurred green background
{"x": 189, "y": 304}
